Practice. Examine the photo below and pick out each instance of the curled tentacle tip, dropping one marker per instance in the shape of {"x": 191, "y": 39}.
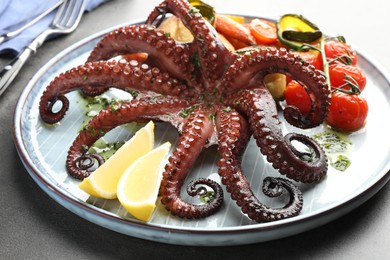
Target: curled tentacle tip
{"x": 82, "y": 166}
{"x": 296, "y": 118}
{"x": 315, "y": 152}
{"x": 272, "y": 187}
{"x": 50, "y": 112}
{"x": 194, "y": 190}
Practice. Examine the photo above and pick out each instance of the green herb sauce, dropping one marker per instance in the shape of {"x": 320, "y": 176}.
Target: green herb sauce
{"x": 337, "y": 147}
{"x": 105, "y": 149}
{"x": 207, "y": 197}
{"x": 91, "y": 107}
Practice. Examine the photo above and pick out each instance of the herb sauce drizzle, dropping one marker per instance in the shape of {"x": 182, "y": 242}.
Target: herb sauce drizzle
{"x": 91, "y": 107}
{"x": 337, "y": 147}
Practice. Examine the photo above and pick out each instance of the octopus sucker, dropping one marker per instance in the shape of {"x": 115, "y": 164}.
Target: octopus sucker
{"x": 213, "y": 97}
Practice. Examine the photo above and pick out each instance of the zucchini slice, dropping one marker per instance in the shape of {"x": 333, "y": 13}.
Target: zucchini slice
{"x": 294, "y": 30}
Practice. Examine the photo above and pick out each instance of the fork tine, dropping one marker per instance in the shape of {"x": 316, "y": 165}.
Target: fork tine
{"x": 60, "y": 12}
{"x": 75, "y": 6}
{"x": 69, "y": 14}
{"x": 65, "y": 21}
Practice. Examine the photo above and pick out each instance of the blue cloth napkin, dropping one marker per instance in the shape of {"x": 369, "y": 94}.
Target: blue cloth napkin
{"x": 15, "y": 13}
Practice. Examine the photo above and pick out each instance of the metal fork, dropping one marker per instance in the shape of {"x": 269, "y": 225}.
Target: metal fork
{"x": 65, "y": 21}
{"x": 10, "y": 35}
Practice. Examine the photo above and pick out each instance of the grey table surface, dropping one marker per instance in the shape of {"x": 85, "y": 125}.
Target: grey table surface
{"x": 33, "y": 226}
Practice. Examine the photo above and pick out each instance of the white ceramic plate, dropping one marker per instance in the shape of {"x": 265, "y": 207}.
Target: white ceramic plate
{"x": 43, "y": 151}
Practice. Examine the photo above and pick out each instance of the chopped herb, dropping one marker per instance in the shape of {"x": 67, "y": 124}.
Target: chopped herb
{"x": 201, "y": 41}
{"x": 105, "y": 149}
{"x": 341, "y": 163}
{"x": 195, "y": 60}
{"x": 333, "y": 142}
{"x": 207, "y": 197}
{"x": 114, "y": 107}
{"x": 186, "y": 111}
{"x": 133, "y": 93}
{"x": 336, "y": 147}
{"x": 193, "y": 10}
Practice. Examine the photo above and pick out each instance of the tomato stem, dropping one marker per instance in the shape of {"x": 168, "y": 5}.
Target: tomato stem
{"x": 354, "y": 88}
{"x": 325, "y": 63}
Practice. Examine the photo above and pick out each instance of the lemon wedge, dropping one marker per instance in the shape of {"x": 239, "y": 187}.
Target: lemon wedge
{"x": 103, "y": 182}
{"x": 139, "y": 185}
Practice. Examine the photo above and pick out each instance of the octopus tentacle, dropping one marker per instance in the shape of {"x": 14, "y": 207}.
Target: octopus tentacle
{"x": 233, "y": 134}
{"x": 79, "y": 161}
{"x": 212, "y": 53}
{"x": 260, "y": 108}
{"x": 250, "y": 69}
{"x": 197, "y": 129}
{"x": 163, "y": 51}
{"x": 225, "y": 97}
{"x": 100, "y": 76}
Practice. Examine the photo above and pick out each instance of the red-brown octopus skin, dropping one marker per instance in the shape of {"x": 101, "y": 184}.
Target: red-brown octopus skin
{"x": 227, "y": 87}
{"x": 233, "y": 136}
{"x": 197, "y": 131}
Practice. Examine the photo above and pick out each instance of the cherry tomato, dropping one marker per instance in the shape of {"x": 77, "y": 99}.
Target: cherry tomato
{"x": 295, "y": 95}
{"x": 347, "y": 112}
{"x": 340, "y": 73}
{"x": 264, "y": 31}
{"x": 313, "y": 57}
{"x": 335, "y": 49}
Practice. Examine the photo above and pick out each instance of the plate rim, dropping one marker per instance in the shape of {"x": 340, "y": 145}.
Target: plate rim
{"x": 323, "y": 215}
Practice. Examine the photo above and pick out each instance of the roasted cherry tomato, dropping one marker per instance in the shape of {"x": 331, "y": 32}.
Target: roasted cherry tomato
{"x": 338, "y": 50}
{"x": 295, "y": 95}
{"x": 264, "y": 31}
{"x": 313, "y": 57}
{"x": 340, "y": 74}
{"x": 347, "y": 112}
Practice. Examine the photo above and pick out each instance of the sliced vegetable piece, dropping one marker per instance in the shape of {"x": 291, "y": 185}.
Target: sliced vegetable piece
{"x": 176, "y": 29}
{"x": 206, "y": 10}
{"x": 276, "y": 84}
{"x": 226, "y": 43}
{"x": 264, "y": 31}
{"x": 233, "y": 30}
{"x": 238, "y": 18}
{"x": 294, "y": 30}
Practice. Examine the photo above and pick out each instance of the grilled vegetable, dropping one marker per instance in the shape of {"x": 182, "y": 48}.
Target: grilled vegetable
{"x": 295, "y": 30}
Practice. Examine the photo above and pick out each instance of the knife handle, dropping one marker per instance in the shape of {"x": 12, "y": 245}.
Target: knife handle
{"x": 12, "y": 69}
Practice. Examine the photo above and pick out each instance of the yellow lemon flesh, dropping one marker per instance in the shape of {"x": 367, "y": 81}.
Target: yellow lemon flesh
{"x": 103, "y": 182}
{"x": 138, "y": 187}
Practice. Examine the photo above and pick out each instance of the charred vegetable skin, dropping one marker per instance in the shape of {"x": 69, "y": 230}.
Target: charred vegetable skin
{"x": 295, "y": 30}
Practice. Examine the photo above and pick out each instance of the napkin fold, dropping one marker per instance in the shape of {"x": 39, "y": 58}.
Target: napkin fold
{"x": 15, "y": 13}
